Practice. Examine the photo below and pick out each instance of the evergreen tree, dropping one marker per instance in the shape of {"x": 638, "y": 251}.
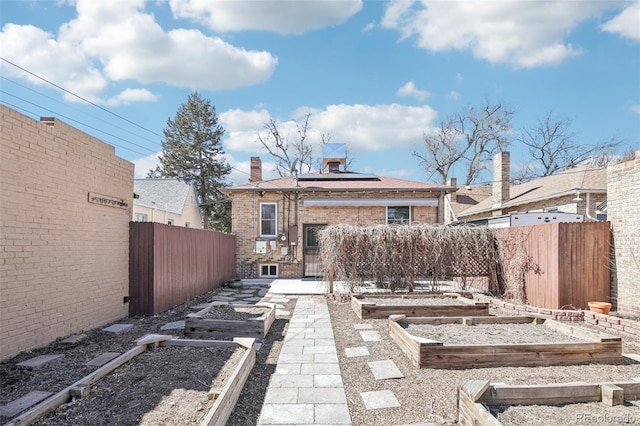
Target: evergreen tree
{"x": 192, "y": 152}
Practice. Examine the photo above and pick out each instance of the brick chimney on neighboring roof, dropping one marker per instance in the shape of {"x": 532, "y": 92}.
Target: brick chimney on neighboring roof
{"x": 256, "y": 169}
{"x": 501, "y": 183}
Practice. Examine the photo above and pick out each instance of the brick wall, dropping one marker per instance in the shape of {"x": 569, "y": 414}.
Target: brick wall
{"x": 63, "y": 260}
{"x": 623, "y": 211}
{"x": 246, "y": 216}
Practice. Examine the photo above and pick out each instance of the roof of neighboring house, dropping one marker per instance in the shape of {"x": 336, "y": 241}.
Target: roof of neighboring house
{"x": 168, "y": 194}
{"x": 341, "y": 181}
{"x": 581, "y": 179}
{"x": 467, "y": 196}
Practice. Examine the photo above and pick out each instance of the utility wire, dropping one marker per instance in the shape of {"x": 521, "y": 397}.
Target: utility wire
{"x": 79, "y": 97}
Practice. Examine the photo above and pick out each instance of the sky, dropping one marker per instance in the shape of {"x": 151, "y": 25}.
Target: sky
{"x": 375, "y": 75}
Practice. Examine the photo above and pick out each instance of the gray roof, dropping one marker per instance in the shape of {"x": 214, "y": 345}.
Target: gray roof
{"x": 581, "y": 179}
{"x": 168, "y": 194}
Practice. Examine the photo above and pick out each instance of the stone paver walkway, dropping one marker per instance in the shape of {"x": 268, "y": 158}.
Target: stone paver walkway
{"x": 306, "y": 387}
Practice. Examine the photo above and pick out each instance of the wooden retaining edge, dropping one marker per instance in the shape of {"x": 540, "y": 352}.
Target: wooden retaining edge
{"x": 228, "y": 396}
{"x": 434, "y": 354}
{"x": 226, "y": 401}
{"x": 79, "y": 388}
{"x": 370, "y": 310}
{"x": 475, "y": 395}
{"x": 204, "y": 328}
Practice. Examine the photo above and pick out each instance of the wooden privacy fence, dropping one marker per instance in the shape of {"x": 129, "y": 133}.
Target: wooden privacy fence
{"x": 568, "y": 263}
{"x": 169, "y": 265}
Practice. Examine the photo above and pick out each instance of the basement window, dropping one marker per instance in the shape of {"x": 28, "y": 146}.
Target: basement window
{"x": 269, "y": 270}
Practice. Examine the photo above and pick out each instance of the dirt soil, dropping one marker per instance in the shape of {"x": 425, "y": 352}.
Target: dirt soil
{"x": 149, "y": 387}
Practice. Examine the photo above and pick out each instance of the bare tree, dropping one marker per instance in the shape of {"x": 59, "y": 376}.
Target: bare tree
{"x": 553, "y": 147}
{"x": 471, "y": 137}
{"x": 291, "y": 156}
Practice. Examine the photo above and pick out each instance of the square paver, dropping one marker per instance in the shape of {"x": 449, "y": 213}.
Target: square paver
{"x": 385, "y": 369}
{"x": 355, "y": 352}
{"x": 332, "y": 414}
{"x": 39, "y": 361}
{"x": 325, "y": 358}
{"x": 379, "y": 399}
{"x": 327, "y": 381}
{"x": 176, "y": 325}
{"x": 74, "y": 339}
{"x": 281, "y": 396}
{"x": 322, "y": 396}
{"x": 286, "y": 414}
{"x": 370, "y": 335}
{"x": 22, "y": 403}
{"x": 320, "y": 368}
{"x": 363, "y": 326}
{"x": 102, "y": 359}
{"x": 117, "y": 328}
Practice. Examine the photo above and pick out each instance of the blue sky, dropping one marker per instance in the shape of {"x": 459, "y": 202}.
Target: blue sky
{"x": 376, "y": 75}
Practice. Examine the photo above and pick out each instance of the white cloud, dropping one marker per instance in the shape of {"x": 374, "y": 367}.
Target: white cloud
{"x": 635, "y": 108}
{"x": 129, "y": 96}
{"x": 410, "y": 89}
{"x": 118, "y": 41}
{"x": 453, "y": 95}
{"x": 144, "y": 164}
{"x": 522, "y": 34}
{"x": 283, "y": 17}
{"x": 627, "y": 23}
{"x": 369, "y": 27}
{"x": 361, "y": 127}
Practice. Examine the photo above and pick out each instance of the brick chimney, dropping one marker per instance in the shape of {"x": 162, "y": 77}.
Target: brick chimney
{"x": 500, "y": 179}
{"x": 256, "y": 169}
{"x": 454, "y": 183}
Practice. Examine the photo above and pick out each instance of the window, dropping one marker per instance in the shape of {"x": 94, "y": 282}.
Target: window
{"x": 139, "y": 217}
{"x": 270, "y": 270}
{"x": 398, "y": 215}
{"x": 268, "y": 219}
{"x": 170, "y": 222}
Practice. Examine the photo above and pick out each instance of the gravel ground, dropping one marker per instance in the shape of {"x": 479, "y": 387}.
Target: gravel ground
{"x": 430, "y": 395}
{"x": 425, "y": 395}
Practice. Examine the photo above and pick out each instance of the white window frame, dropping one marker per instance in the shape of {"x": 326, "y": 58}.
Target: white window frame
{"x": 275, "y": 220}
{"x": 398, "y": 222}
{"x": 269, "y": 267}
{"x": 138, "y": 216}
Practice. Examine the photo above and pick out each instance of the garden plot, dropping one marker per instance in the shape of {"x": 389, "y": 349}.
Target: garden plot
{"x": 482, "y": 403}
{"x": 432, "y": 304}
{"x": 488, "y": 341}
{"x": 177, "y": 382}
{"x": 226, "y": 321}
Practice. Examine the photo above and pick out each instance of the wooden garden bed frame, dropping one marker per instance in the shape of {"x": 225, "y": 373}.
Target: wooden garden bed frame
{"x": 198, "y": 327}
{"x": 598, "y": 348}
{"x": 474, "y": 396}
{"x": 225, "y": 397}
{"x": 372, "y": 310}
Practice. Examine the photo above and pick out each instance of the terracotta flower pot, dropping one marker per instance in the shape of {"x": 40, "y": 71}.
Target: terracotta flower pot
{"x": 600, "y": 307}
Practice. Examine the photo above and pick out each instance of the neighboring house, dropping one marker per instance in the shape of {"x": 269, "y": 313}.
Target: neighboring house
{"x": 168, "y": 201}
{"x": 579, "y": 191}
{"x": 276, "y": 221}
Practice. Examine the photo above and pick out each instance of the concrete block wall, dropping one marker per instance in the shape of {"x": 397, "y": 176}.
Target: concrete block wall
{"x": 623, "y": 211}
{"x": 63, "y": 259}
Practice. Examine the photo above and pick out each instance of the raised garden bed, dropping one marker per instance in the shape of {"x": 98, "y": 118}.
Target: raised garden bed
{"x": 481, "y": 403}
{"x": 227, "y": 321}
{"x": 210, "y": 406}
{"x": 431, "y": 304}
{"x": 504, "y": 341}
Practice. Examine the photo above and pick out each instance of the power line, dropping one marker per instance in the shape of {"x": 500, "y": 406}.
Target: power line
{"x": 79, "y": 97}
{"x": 75, "y": 109}
{"x": 79, "y": 122}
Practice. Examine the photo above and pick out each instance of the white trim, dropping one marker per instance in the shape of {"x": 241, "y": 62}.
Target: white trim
{"x": 370, "y": 202}
{"x": 275, "y": 220}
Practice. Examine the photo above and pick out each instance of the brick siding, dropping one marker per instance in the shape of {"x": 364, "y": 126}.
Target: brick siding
{"x": 63, "y": 260}
{"x": 623, "y": 211}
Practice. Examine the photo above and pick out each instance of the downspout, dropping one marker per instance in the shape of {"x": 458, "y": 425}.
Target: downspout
{"x": 586, "y": 209}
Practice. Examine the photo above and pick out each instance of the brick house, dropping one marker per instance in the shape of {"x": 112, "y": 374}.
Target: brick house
{"x": 579, "y": 190}
{"x": 276, "y": 221}
{"x": 168, "y": 201}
